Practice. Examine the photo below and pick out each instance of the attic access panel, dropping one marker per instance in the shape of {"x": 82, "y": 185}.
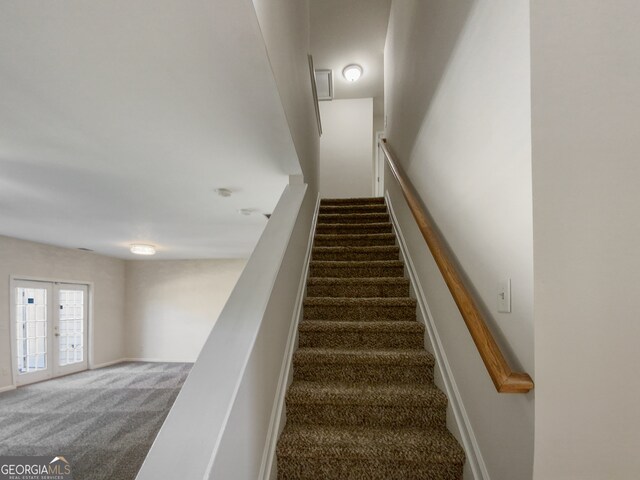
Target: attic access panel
{"x": 324, "y": 84}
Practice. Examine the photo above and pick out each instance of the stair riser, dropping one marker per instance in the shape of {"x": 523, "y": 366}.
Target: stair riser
{"x": 356, "y": 256}
{"x": 303, "y": 468}
{"x": 361, "y": 340}
{"x": 362, "y": 373}
{"x": 353, "y": 229}
{"x": 358, "y": 313}
{"x": 357, "y": 272}
{"x": 346, "y": 210}
{"x": 427, "y": 416}
{"x": 328, "y": 219}
{"x": 351, "y": 201}
{"x": 359, "y": 241}
{"x": 360, "y": 291}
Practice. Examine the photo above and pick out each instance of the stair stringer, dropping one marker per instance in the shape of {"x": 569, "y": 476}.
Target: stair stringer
{"x": 268, "y": 468}
{"x": 475, "y": 467}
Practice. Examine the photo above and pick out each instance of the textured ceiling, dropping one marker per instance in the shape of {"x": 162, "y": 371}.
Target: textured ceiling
{"x": 118, "y": 120}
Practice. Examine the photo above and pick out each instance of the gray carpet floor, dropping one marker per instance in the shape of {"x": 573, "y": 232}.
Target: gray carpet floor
{"x": 103, "y": 421}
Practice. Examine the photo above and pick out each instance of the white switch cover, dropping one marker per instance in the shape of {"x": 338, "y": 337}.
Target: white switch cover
{"x": 504, "y": 296}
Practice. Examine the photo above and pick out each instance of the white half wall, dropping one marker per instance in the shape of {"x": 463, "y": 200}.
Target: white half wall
{"x": 219, "y": 424}
{"x": 457, "y": 99}
{"x": 34, "y": 260}
{"x": 346, "y": 148}
{"x": 172, "y": 305}
{"x": 586, "y": 172}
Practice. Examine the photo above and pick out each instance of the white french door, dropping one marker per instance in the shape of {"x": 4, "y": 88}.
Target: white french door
{"x": 49, "y": 330}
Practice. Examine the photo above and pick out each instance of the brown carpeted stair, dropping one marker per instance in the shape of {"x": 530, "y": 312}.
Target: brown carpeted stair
{"x": 362, "y": 404}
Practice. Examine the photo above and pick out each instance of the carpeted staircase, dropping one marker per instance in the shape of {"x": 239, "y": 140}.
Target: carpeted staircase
{"x": 362, "y": 404}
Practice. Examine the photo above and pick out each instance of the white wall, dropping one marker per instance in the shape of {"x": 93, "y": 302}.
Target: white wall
{"x": 457, "y": 95}
{"x": 172, "y": 305}
{"x": 35, "y": 260}
{"x": 285, "y": 30}
{"x": 586, "y": 171}
{"x": 346, "y": 165}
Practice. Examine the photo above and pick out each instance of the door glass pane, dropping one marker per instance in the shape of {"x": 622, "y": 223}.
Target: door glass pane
{"x": 31, "y": 329}
{"x": 71, "y": 348}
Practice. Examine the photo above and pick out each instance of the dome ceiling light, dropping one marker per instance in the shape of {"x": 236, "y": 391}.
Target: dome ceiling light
{"x": 352, "y": 72}
{"x": 140, "y": 249}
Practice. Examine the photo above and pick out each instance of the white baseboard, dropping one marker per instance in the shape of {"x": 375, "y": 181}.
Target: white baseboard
{"x": 137, "y": 359}
{"x": 8, "y": 388}
{"x": 156, "y": 360}
{"x": 267, "y": 465}
{"x": 469, "y": 441}
{"x": 106, "y": 364}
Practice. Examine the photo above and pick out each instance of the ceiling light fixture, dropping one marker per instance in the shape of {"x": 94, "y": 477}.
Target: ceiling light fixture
{"x": 140, "y": 249}
{"x": 352, "y": 72}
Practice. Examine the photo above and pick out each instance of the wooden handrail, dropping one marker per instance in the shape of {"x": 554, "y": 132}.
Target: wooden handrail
{"x": 504, "y": 379}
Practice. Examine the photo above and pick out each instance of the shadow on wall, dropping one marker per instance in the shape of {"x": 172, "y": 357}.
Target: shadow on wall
{"x": 436, "y": 27}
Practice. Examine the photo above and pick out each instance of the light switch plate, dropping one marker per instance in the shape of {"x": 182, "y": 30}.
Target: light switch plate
{"x": 504, "y": 296}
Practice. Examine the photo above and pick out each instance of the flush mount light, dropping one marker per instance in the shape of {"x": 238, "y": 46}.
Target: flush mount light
{"x": 223, "y": 192}
{"x": 352, "y": 72}
{"x": 139, "y": 249}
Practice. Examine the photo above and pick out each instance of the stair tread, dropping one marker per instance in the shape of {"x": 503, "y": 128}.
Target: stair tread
{"x": 354, "y": 208}
{"x": 357, "y": 281}
{"x": 357, "y": 248}
{"x": 355, "y": 235}
{"x": 354, "y": 238}
{"x": 362, "y": 356}
{"x": 396, "y": 326}
{"x": 350, "y": 228}
{"x": 355, "y": 225}
{"x": 357, "y": 263}
{"x": 323, "y": 217}
{"x": 329, "y": 393}
{"x": 362, "y": 301}
{"x": 352, "y": 201}
{"x": 413, "y": 445}
{"x": 356, "y": 252}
